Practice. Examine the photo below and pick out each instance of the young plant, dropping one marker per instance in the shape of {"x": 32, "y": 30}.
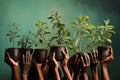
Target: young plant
{"x": 91, "y": 38}
{"x": 105, "y": 33}
{"x": 26, "y": 41}
{"x": 41, "y": 34}
{"x": 62, "y": 33}
{"x": 80, "y": 31}
{"x": 13, "y": 33}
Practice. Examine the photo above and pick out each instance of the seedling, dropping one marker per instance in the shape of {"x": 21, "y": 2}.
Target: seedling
{"x": 26, "y": 41}
{"x": 105, "y": 33}
{"x": 13, "y": 33}
{"x": 62, "y": 33}
{"x": 41, "y": 34}
{"x": 80, "y": 31}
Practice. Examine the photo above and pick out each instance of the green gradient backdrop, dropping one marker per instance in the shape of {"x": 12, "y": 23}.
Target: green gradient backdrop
{"x": 27, "y": 12}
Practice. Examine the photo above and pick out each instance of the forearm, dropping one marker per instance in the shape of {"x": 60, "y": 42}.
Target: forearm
{"x": 57, "y": 76}
{"x": 94, "y": 73}
{"x": 66, "y": 72}
{"x": 40, "y": 74}
{"x": 23, "y": 75}
{"x": 72, "y": 74}
{"x": 104, "y": 72}
{"x": 84, "y": 76}
{"x": 77, "y": 76}
{"x": 45, "y": 71}
{"x": 15, "y": 75}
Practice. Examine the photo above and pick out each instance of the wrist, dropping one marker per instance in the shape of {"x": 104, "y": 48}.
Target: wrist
{"x": 94, "y": 68}
{"x": 15, "y": 68}
{"x": 64, "y": 67}
{"x": 103, "y": 65}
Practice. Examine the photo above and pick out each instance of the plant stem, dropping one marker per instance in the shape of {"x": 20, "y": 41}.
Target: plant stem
{"x": 13, "y": 41}
{"x": 80, "y": 42}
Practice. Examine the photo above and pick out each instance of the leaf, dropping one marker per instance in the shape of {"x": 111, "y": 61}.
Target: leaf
{"x": 76, "y": 42}
{"x": 8, "y": 35}
{"x": 107, "y": 21}
{"x": 76, "y": 34}
{"x": 109, "y": 40}
{"x": 62, "y": 26}
{"x": 17, "y": 36}
{"x": 54, "y": 25}
{"x": 53, "y": 38}
{"x": 88, "y": 31}
{"x": 50, "y": 17}
{"x": 46, "y": 33}
{"x": 99, "y": 38}
{"x": 56, "y": 14}
{"x": 10, "y": 39}
{"x": 91, "y": 27}
{"x": 74, "y": 23}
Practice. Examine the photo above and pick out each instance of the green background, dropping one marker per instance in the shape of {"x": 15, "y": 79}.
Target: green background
{"x": 27, "y": 12}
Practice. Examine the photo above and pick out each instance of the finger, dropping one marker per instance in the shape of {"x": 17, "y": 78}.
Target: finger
{"x": 76, "y": 57}
{"x": 29, "y": 57}
{"x": 66, "y": 50}
{"x": 96, "y": 52}
{"x": 64, "y": 53}
{"x": 111, "y": 51}
{"x": 87, "y": 60}
{"x": 82, "y": 61}
{"x": 8, "y": 55}
{"x": 34, "y": 61}
{"x": 23, "y": 58}
{"x": 94, "y": 55}
{"x": 53, "y": 56}
{"x": 92, "y": 59}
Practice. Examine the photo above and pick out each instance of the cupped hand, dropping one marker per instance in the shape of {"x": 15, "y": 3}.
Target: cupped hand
{"x": 26, "y": 61}
{"x": 85, "y": 62}
{"x": 10, "y": 61}
{"x": 108, "y": 58}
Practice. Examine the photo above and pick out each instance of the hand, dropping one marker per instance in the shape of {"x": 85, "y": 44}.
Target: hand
{"x": 26, "y": 61}
{"x": 53, "y": 61}
{"x": 64, "y": 62}
{"x": 94, "y": 59}
{"x": 109, "y": 58}
{"x": 14, "y": 65}
{"x": 10, "y": 61}
{"x": 37, "y": 65}
{"x": 46, "y": 66}
{"x": 85, "y": 62}
{"x": 73, "y": 63}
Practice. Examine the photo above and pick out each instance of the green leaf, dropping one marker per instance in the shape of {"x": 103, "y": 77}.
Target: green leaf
{"x": 76, "y": 34}
{"x": 10, "y": 39}
{"x": 87, "y": 31}
{"x": 62, "y": 26}
{"x": 46, "y": 33}
{"x": 8, "y": 34}
{"x": 99, "y": 38}
{"x": 91, "y": 27}
{"x": 109, "y": 40}
{"x": 107, "y": 21}
{"x": 54, "y": 25}
{"x": 53, "y": 38}
{"x": 17, "y": 36}
{"x": 74, "y": 23}
{"x": 50, "y": 17}
{"x": 76, "y": 42}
